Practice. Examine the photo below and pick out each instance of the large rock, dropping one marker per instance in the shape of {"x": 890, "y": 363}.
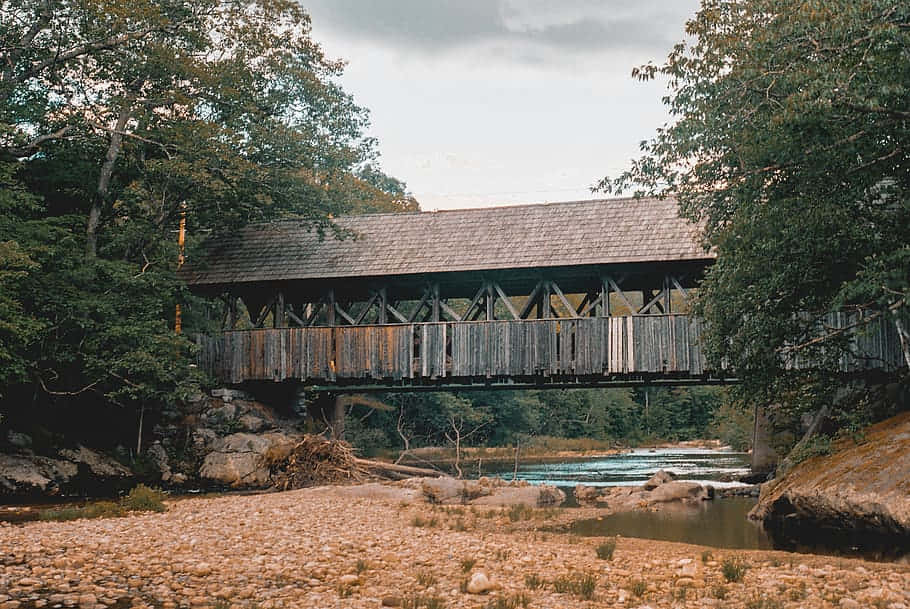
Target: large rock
{"x": 680, "y": 491}
{"x": 97, "y": 465}
{"x": 659, "y": 477}
{"x": 79, "y": 470}
{"x": 860, "y": 489}
{"x": 244, "y": 459}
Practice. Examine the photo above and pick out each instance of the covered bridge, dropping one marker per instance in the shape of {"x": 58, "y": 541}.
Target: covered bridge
{"x": 583, "y": 293}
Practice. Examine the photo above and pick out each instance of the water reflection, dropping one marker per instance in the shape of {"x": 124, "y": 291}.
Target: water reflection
{"x": 720, "y": 524}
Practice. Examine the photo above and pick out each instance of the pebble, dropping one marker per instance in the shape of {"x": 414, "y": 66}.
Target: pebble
{"x": 266, "y": 551}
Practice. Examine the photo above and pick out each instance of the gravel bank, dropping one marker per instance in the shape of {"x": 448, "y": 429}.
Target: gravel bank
{"x": 350, "y": 547}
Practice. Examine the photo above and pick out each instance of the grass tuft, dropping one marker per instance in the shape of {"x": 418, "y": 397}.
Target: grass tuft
{"x": 140, "y": 499}
{"x": 580, "y": 585}
{"x": 467, "y": 564}
{"x": 733, "y": 569}
{"x": 606, "y": 549}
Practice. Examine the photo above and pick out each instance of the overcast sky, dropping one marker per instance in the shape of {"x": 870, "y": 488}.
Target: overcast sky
{"x": 486, "y": 102}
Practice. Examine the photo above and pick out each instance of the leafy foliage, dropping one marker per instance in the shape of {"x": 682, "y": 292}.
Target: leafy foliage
{"x": 789, "y": 146}
{"x": 116, "y": 116}
{"x": 500, "y": 418}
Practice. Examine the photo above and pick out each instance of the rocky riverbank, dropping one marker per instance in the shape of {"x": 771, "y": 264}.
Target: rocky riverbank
{"x": 381, "y": 545}
{"x": 859, "y": 494}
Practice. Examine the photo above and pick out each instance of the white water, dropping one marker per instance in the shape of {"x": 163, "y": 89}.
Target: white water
{"x": 708, "y": 466}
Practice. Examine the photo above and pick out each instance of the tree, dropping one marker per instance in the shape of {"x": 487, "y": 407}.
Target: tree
{"x": 790, "y": 146}
{"x": 115, "y": 114}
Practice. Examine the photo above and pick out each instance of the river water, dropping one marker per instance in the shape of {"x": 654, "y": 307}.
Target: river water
{"x": 721, "y": 523}
{"x": 709, "y": 466}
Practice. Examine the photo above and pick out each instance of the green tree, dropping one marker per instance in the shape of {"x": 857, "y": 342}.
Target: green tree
{"x": 113, "y": 116}
{"x": 789, "y": 144}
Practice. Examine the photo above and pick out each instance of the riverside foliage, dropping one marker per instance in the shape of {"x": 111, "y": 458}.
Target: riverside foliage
{"x": 114, "y": 117}
{"x": 789, "y": 142}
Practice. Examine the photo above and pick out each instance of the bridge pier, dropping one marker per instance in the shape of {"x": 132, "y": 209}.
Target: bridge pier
{"x": 764, "y": 457}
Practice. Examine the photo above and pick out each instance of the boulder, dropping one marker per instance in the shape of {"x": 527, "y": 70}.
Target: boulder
{"x": 542, "y": 495}
{"x": 587, "y": 495}
{"x": 479, "y": 583}
{"x": 98, "y": 465}
{"x": 244, "y": 459}
{"x": 660, "y": 477}
{"x": 158, "y": 456}
{"x": 78, "y": 470}
{"x": 679, "y": 491}
{"x": 859, "y": 490}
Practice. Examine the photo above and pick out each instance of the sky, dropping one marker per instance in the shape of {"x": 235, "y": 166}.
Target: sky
{"x": 498, "y": 102}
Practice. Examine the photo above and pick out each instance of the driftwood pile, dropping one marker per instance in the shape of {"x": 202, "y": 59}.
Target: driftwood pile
{"x": 315, "y": 461}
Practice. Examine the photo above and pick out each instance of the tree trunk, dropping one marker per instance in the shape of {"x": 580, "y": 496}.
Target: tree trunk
{"x": 104, "y": 180}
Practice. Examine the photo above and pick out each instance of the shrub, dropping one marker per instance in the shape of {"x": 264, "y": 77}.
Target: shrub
{"x": 534, "y": 581}
{"x": 639, "y": 588}
{"x": 467, "y": 564}
{"x": 144, "y": 499}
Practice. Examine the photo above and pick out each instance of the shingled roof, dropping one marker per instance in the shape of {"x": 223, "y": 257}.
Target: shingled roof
{"x": 514, "y": 237}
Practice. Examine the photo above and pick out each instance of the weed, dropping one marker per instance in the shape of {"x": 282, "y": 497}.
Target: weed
{"x": 534, "y": 581}
{"x": 426, "y": 579}
{"x": 763, "y": 602}
{"x": 719, "y": 592}
{"x": 144, "y": 499}
{"x": 467, "y": 564}
{"x": 140, "y": 499}
{"x": 520, "y": 512}
{"x": 548, "y": 513}
{"x": 344, "y": 590}
{"x": 491, "y": 514}
{"x": 420, "y": 521}
{"x": 501, "y": 554}
{"x": 460, "y": 525}
{"x": 416, "y": 601}
{"x": 513, "y": 601}
{"x": 361, "y": 566}
{"x": 707, "y": 556}
{"x": 581, "y": 585}
{"x": 679, "y": 594}
{"x": 734, "y": 569}
{"x": 638, "y": 588}
{"x": 463, "y": 585}
{"x": 606, "y": 549}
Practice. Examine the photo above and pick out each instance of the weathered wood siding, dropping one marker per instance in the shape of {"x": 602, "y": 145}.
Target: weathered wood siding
{"x": 584, "y": 348}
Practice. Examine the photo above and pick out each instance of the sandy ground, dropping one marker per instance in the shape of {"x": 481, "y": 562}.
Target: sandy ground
{"x": 369, "y": 547}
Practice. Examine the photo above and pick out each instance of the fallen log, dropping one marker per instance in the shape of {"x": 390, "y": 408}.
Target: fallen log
{"x": 396, "y": 471}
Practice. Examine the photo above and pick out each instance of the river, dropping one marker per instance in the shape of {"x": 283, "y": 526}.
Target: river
{"x": 721, "y": 523}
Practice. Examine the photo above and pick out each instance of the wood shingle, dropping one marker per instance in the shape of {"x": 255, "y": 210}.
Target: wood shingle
{"x": 611, "y": 231}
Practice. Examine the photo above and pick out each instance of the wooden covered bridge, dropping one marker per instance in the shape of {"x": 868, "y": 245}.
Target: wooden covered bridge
{"x": 579, "y": 294}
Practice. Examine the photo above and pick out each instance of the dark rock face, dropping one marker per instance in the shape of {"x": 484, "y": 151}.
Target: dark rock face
{"x": 78, "y": 471}
{"x": 859, "y": 496}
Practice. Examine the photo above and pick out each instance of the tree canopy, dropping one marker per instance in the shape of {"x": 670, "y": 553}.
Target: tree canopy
{"x": 789, "y": 144}
{"x": 114, "y": 117}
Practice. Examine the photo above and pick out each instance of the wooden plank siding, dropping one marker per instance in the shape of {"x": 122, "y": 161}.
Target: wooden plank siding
{"x": 585, "y": 348}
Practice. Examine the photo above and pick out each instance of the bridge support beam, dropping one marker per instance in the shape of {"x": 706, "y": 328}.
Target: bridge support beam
{"x": 764, "y": 457}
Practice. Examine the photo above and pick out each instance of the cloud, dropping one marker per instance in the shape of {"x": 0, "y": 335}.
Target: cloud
{"x": 521, "y": 30}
